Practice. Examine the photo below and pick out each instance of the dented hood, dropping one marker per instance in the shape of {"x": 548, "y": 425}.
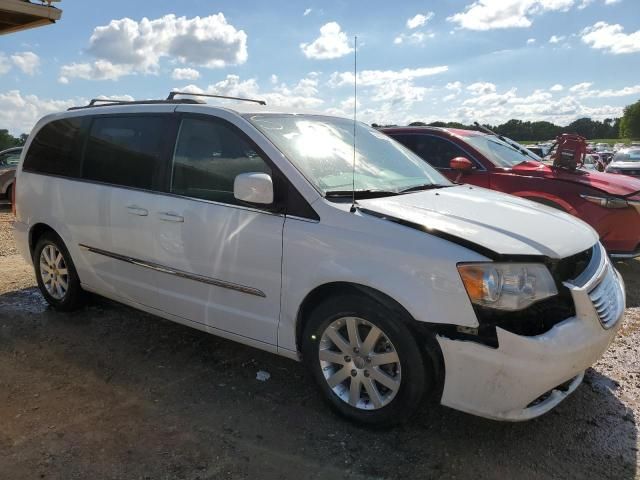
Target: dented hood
{"x": 495, "y": 222}
{"x": 619, "y": 185}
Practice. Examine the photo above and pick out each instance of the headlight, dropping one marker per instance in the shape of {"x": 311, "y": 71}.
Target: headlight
{"x": 607, "y": 202}
{"x": 507, "y": 286}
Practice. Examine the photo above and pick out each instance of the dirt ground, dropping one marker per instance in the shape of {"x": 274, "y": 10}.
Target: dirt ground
{"x": 109, "y": 392}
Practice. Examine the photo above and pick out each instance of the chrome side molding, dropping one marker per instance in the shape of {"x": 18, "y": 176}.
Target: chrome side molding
{"x": 178, "y": 273}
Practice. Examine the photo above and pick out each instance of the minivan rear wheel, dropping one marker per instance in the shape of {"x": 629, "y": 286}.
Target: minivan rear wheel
{"x": 56, "y": 273}
{"x": 365, "y": 360}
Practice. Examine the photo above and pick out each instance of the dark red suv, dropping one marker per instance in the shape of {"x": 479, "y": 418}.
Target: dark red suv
{"x": 609, "y": 203}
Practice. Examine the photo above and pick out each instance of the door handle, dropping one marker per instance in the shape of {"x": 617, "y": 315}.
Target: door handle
{"x": 135, "y": 210}
{"x": 170, "y": 217}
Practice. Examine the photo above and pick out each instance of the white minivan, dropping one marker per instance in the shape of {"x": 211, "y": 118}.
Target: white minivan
{"x": 239, "y": 221}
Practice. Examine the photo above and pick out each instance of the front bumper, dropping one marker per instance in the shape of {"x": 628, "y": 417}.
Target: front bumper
{"x": 526, "y": 377}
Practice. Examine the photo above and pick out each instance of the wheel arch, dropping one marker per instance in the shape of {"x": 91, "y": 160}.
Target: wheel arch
{"x": 36, "y": 231}
{"x": 424, "y": 334}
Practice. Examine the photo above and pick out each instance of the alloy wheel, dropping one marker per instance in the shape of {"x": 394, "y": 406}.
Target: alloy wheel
{"x": 359, "y": 363}
{"x": 54, "y": 272}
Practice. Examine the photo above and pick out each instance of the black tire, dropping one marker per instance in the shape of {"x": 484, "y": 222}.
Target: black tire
{"x": 74, "y": 296}
{"x": 9, "y": 192}
{"x": 416, "y": 375}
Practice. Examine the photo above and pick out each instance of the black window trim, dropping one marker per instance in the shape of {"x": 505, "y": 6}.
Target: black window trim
{"x": 479, "y": 166}
{"x": 285, "y": 207}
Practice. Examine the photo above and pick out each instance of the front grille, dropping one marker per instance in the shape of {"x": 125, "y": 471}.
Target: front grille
{"x": 608, "y": 299}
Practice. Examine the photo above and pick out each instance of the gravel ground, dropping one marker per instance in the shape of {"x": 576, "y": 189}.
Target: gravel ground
{"x": 109, "y": 392}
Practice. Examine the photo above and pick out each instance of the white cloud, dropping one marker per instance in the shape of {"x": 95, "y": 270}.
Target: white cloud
{"x": 19, "y": 112}
{"x": 296, "y": 96}
{"x": 494, "y": 14}
{"x": 586, "y": 3}
{"x": 495, "y": 107}
{"x": 557, "y": 88}
{"x": 378, "y": 77}
{"x": 531, "y": 41}
{"x": 580, "y": 87}
{"x": 481, "y": 88}
{"x": 457, "y": 86}
{"x": 185, "y": 74}
{"x": 611, "y": 38}
{"x": 5, "y": 64}
{"x": 98, "y": 70}
{"x": 332, "y": 43}
{"x": 414, "y": 38}
{"x": 623, "y": 92}
{"x": 274, "y": 78}
{"x": 28, "y": 62}
{"x": 307, "y": 11}
{"x": 584, "y": 90}
{"x": 556, "y": 38}
{"x": 137, "y": 47}
{"x": 419, "y": 20}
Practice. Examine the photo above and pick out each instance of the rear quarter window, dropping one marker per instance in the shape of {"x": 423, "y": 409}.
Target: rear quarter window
{"x": 55, "y": 149}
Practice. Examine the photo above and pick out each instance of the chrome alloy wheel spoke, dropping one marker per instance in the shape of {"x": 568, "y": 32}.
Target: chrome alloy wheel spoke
{"x": 54, "y": 272}
{"x": 359, "y": 363}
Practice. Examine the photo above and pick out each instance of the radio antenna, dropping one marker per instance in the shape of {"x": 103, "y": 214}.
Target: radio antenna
{"x": 355, "y": 111}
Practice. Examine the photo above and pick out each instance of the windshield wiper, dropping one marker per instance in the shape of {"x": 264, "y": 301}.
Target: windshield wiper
{"x": 361, "y": 194}
{"x": 426, "y": 186}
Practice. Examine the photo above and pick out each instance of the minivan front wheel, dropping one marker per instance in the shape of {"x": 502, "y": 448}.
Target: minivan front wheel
{"x": 365, "y": 360}
{"x": 56, "y": 273}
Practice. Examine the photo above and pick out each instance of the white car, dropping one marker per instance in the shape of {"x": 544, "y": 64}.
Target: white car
{"x": 239, "y": 221}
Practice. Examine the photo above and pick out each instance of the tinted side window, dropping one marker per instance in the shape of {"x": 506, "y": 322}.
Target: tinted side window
{"x": 126, "y": 151}
{"x": 208, "y": 156}
{"x": 55, "y": 149}
{"x": 438, "y": 152}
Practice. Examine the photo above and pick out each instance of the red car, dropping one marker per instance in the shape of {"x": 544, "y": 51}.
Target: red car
{"x": 609, "y": 203}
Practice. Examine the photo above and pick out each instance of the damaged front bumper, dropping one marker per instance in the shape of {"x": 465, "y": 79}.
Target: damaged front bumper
{"x": 525, "y": 377}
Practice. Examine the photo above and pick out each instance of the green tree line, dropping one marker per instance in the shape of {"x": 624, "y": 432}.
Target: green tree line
{"x": 627, "y": 126}
{"x": 7, "y": 140}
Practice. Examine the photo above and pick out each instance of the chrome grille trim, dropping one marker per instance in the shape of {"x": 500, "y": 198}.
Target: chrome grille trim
{"x": 608, "y": 299}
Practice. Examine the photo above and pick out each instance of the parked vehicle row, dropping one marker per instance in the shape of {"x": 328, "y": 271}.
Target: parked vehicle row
{"x": 626, "y": 162}
{"x": 9, "y": 160}
{"x": 326, "y": 241}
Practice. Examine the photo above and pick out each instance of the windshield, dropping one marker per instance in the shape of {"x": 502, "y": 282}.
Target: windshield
{"x": 627, "y": 156}
{"x": 322, "y": 149}
{"x": 500, "y": 153}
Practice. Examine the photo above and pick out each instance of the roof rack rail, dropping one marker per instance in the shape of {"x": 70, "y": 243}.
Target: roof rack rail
{"x": 106, "y": 102}
{"x": 174, "y": 93}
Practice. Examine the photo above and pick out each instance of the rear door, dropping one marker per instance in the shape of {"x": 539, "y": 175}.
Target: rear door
{"x": 126, "y": 157}
{"x": 439, "y": 151}
{"x": 221, "y": 257}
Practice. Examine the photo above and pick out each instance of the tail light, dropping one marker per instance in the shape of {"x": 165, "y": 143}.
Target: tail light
{"x": 13, "y": 197}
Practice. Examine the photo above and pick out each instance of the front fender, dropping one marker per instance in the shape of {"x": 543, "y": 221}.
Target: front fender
{"x": 415, "y": 269}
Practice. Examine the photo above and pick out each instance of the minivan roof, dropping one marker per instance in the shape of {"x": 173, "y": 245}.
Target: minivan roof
{"x": 241, "y": 109}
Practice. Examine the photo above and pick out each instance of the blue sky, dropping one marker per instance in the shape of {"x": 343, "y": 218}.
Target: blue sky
{"x": 486, "y": 60}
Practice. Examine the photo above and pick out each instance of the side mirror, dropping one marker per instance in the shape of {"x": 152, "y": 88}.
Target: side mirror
{"x": 253, "y": 187}
{"x": 461, "y": 164}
